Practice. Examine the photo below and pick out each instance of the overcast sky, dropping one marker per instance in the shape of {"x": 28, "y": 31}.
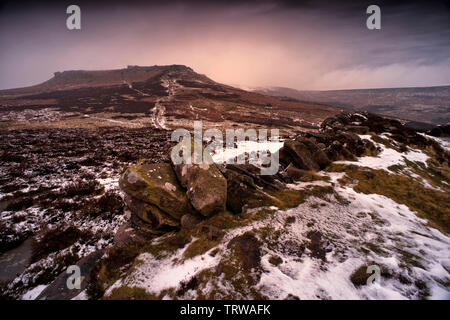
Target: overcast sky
{"x": 304, "y": 45}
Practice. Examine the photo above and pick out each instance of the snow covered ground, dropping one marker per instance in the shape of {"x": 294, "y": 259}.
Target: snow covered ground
{"x": 251, "y": 148}
{"x": 372, "y": 229}
{"x": 356, "y": 230}
{"x": 387, "y": 157}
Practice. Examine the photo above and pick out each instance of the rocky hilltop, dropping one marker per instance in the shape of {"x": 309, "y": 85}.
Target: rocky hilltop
{"x": 75, "y": 79}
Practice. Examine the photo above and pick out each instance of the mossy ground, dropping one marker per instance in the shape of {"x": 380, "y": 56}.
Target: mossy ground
{"x": 314, "y": 176}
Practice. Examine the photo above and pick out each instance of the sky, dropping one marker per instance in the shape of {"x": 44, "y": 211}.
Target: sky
{"x": 306, "y": 45}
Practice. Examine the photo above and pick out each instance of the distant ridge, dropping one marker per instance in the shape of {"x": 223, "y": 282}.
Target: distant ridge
{"x": 422, "y": 104}
{"x": 74, "y": 79}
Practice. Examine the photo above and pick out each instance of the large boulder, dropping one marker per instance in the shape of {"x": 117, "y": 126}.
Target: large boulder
{"x": 205, "y": 184}
{"x": 294, "y": 173}
{"x": 300, "y": 155}
{"x": 157, "y": 185}
{"x": 243, "y": 189}
{"x": 305, "y": 153}
{"x": 317, "y": 154}
{"x": 206, "y": 189}
{"x": 149, "y": 213}
{"x": 331, "y": 145}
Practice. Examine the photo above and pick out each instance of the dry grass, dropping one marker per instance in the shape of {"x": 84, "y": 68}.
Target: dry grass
{"x": 56, "y": 239}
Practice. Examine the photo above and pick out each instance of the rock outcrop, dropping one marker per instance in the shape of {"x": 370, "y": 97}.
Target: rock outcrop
{"x": 206, "y": 186}
{"x": 440, "y": 131}
{"x": 177, "y": 195}
{"x": 154, "y": 194}
{"x": 150, "y": 213}
{"x": 304, "y": 153}
{"x": 245, "y": 186}
{"x": 164, "y": 196}
{"x": 314, "y": 151}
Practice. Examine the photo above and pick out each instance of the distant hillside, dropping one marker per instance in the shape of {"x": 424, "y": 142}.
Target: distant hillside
{"x": 164, "y": 96}
{"x": 75, "y": 79}
{"x": 426, "y": 104}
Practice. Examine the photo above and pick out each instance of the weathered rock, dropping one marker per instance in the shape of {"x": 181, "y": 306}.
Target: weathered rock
{"x": 150, "y": 213}
{"x": 146, "y": 230}
{"x": 441, "y": 130}
{"x": 207, "y": 189}
{"x": 241, "y": 190}
{"x": 294, "y": 173}
{"x": 266, "y": 181}
{"x": 284, "y": 156}
{"x": 317, "y": 154}
{"x": 156, "y": 184}
{"x": 337, "y": 145}
{"x": 205, "y": 184}
{"x": 188, "y": 221}
{"x": 129, "y": 233}
{"x": 357, "y": 129}
{"x": 358, "y": 123}
{"x": 124, "y": 235}
{"x": 212, "y": 233}
{"x": 300, "y": 155}
{"x": 321, "y": 158}
{"x": 344, "y": 120}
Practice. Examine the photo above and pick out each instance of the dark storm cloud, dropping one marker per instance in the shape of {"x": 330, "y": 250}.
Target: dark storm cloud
{"x": 301, "y": 44}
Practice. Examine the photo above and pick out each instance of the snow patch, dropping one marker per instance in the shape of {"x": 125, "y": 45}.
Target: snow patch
{"x": 34, "y": 293}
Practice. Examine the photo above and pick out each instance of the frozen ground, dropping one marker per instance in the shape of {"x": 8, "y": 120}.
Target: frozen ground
{"x": 317, "y": 246}
{"x": 352, "y": 231}
{"x": 387, "y": 157}
{"x": 57, "y": 179}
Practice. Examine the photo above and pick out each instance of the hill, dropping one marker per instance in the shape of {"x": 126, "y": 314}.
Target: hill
{"x": 160, "y": 96}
